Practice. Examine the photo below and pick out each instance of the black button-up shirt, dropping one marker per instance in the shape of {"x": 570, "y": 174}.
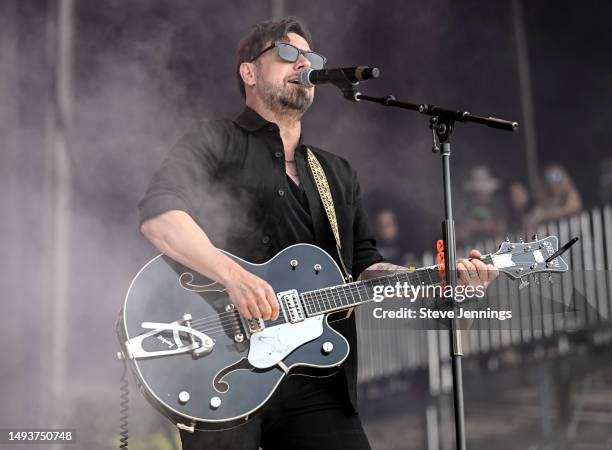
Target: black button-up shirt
{"x": 229, "y": 176}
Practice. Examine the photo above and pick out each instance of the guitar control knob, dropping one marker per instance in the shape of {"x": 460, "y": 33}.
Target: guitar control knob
{"x": 183, "y": 397}
{"x": 230, "y": 307}
{"x": 239, "y": 337}
{"x": 293, "y": 263}
{"x": 215, "y": 402}
{"x": 327, "y": 347}
{"x": 317, "y": 268}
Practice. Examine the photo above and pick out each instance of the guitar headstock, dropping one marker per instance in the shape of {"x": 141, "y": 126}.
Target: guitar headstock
{"x": 519, "y": 259}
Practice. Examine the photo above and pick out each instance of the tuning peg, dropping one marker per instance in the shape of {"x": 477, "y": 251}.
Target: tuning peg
{"x": 524, "y": 284}
{"x": 535, "y": 237}
{"x": 522, "y": 240}
{"x": 550, "y": 279}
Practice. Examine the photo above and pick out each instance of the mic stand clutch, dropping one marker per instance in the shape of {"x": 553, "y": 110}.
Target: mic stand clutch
{"x": 442, "y": 123}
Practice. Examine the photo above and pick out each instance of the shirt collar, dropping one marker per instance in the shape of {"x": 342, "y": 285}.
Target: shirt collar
{"x": 250, "y": 120}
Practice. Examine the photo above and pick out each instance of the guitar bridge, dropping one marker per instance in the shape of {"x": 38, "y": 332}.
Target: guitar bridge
{"x": 294, "y": 310}
{"x": 255, "y": 325}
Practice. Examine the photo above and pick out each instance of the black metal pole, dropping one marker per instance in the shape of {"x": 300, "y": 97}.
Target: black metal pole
{"x": 448, "y": 228}
{"x": 442, "y": 127}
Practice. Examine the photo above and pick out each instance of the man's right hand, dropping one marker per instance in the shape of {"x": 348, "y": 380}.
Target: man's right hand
{"x": 253, "y": 296}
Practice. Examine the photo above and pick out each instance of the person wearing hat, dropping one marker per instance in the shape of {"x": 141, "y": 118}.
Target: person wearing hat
{"x": 482, "y": 217}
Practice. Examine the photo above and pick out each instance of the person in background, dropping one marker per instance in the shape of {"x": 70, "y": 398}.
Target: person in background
{"x": 386, "y": 229}
{"x": 560, "y": 199}
{"x": 482, "y": 217}
{"x": 605, "y": 180}
{"x": 519, "y": 201}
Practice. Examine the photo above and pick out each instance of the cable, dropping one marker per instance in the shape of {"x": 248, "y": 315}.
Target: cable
{"x": 123, "y": 407}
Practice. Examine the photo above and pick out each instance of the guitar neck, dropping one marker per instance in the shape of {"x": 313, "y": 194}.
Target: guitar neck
{"x": 345, "y": 296}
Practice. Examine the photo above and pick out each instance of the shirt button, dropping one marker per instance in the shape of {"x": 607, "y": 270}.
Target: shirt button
{"x": 278, "y": 154}
{"x": 281, "y": 192}
{"x": 265, "y": 240}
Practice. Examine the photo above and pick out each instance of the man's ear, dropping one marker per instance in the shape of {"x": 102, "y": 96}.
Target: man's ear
{"x": 247, "y": 73}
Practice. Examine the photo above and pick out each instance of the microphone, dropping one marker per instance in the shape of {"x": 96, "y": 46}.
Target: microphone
{"x": 310, "y": 77}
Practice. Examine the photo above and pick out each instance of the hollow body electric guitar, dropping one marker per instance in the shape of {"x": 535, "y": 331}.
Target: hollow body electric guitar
{"x": 203, "y": 365}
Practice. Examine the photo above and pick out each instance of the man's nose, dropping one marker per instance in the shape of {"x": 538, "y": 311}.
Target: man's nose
{"x": 302, "y": 62}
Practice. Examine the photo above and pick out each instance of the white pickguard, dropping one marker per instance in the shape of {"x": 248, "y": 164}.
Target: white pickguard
{"x": 273, "y": 344}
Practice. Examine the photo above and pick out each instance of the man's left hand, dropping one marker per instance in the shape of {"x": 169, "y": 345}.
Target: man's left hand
{"x": 474, "y": 272}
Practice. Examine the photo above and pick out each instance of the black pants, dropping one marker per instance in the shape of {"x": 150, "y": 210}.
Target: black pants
{"x": 305, "y": 413}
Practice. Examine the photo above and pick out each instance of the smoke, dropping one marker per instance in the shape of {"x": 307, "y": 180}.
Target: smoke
{"x": 145, "y": 72}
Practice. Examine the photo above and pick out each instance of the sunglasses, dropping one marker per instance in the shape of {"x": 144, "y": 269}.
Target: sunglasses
{"x": 290, "y": 53}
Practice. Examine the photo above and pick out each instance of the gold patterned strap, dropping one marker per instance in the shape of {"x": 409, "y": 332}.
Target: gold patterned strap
{"x": 328, "y": 203}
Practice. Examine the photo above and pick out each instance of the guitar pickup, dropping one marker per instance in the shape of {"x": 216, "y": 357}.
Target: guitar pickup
{"x": 293, "y": 308}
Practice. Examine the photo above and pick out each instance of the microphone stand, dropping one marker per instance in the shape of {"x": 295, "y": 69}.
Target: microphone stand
{"x": 442, "y": 122}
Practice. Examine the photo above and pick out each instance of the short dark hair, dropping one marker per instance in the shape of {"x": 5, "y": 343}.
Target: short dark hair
{"x": 264, "y": 33}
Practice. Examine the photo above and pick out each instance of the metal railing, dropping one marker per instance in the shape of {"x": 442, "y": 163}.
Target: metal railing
{"x": 387, "y": 351}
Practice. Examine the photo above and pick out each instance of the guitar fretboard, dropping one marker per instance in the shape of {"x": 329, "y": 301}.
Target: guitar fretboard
{"x": 346, "y": 296}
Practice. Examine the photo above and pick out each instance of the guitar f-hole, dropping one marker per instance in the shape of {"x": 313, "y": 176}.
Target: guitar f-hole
{"x": 223, "y": 386}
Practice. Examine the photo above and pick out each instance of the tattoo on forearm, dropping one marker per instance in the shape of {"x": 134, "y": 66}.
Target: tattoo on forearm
{"x": 375, "y": 269}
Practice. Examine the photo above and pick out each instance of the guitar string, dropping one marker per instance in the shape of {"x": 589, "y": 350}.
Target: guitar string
{"x": 316, "y": 306}
{"x": 352, "y": 288}
{"x": 215, "y": 324}
{"x": 319, "y": 305}
{"x": 312, "y": 302}
{"x": 217, "y": 329}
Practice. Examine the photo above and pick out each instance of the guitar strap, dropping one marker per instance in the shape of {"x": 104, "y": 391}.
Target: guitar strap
{"x": 328, "y": 203}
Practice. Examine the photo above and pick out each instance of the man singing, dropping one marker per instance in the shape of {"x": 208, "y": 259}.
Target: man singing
{"x": 246, "y": 185}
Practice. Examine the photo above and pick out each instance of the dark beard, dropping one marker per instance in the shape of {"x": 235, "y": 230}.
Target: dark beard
{"x": 286, "y": 99}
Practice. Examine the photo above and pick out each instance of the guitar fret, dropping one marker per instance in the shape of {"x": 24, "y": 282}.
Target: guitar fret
{"x": 310, "y": 303}
{"x": 360, "y": 299}
{"x": 327, "y": 303}
{"x": 429, "y": 274}
{"x": 314, "y": 303}
{"x": 420, "y": 278}
{"x": 365, "y": 291}
{"x": 335, "y": 298}
{"x": 338, "y": 296}
{"x": 322, "y": 304}
{"x": 352, "y": 296}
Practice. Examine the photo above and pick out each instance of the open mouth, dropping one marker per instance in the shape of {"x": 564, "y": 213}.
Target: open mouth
{"x": 293, "y": 81}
